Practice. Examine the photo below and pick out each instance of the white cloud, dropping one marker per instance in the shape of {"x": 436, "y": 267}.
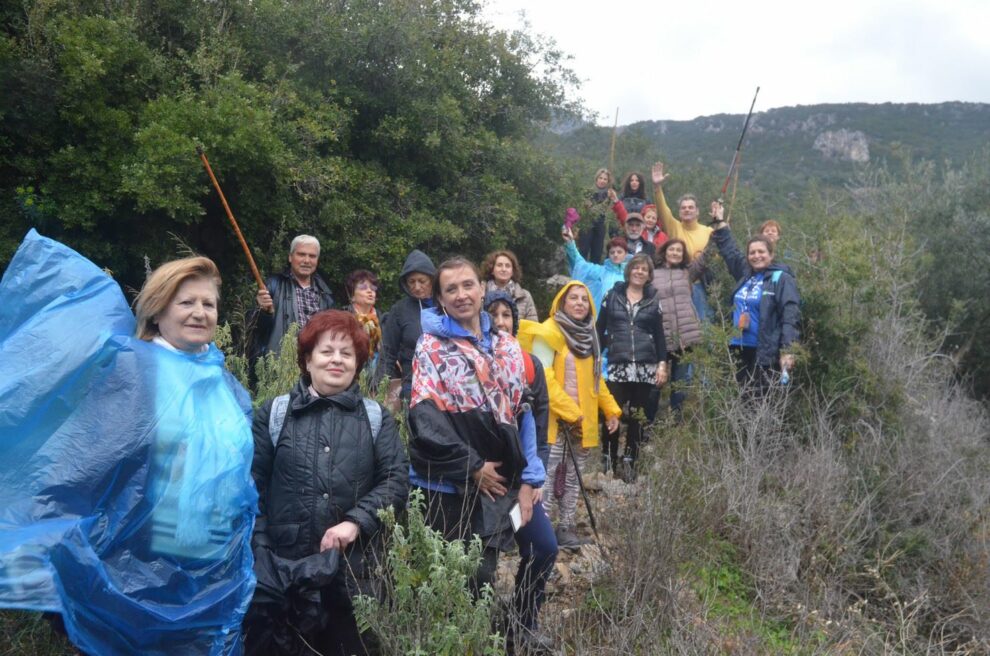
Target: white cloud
{"x": 682, "y": 60}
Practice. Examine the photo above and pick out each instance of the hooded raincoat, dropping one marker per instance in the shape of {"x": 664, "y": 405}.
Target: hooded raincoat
{"x": 401, "y": 328}
{"x": 598, "y": 278}
{"x": 546, "y": 341}
{"x": 126, "y": 502}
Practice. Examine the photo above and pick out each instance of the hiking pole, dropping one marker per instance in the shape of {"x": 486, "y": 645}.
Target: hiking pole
{"x": 611, "y": 150}
{"x": 233, "y": 221}
{"x": 735, "y": 187}
{"x": 735, "y": 157}
{"x": 584, "y": 491}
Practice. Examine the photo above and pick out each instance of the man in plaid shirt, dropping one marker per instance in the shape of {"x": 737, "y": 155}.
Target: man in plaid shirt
{"x": 293, "y": 296}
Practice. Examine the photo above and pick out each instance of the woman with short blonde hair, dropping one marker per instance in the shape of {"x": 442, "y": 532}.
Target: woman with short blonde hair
{"x": 162, "y": 285}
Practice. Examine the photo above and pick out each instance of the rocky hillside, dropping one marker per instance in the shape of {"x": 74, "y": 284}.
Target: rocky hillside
{"x": 788, "y": 147}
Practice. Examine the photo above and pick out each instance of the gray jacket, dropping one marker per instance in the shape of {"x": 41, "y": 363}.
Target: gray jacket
{"x": 522, "y": 298}
{"x": 680, "y": 320}
{"x": 401, "y": 328}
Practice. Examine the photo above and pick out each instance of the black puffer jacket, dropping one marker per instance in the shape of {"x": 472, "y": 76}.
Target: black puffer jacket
{"x": 401, "y": 328}
{"x": 632, "y": 333}
{"x": 633, "y": 203}
{"x": 326, "y": 469}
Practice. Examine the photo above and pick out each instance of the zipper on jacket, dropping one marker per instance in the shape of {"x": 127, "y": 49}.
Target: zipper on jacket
{"x": 674, "y": 322}
{"x": 632, "y": 329}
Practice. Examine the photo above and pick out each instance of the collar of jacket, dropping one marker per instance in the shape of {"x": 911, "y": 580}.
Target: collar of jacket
{"x": 648, "y": 290}
{"x": 302, "y": 400}
{"x": 437, "y": 323}
{"x": 316, "y": 279}
{"x": 773, "y": 266}
{"x": 610, "y": 265}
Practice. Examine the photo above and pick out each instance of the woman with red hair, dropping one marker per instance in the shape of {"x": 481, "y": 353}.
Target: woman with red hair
{"x": 326, "y": 460}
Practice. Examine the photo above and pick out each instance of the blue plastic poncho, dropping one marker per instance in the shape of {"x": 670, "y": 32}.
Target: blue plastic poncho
{"x": 126, "y": 499}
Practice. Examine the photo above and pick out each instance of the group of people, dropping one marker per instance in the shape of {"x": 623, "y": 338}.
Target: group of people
{"x": 503, "y": 409}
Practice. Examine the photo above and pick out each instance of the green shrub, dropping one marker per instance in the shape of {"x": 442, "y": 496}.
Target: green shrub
{"x": 275, "y": 374}
{"x": 429, "y": 607}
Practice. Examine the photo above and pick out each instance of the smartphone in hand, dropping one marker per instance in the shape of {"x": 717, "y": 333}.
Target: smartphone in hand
{"x": 515, "y": 516}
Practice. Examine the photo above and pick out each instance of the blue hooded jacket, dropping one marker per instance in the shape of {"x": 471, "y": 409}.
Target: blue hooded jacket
{"x": 599, "y": 278}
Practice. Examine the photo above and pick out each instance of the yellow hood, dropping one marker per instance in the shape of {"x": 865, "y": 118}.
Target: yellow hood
{"x": 548, "y": 329}
{"x": 593, "y": 395}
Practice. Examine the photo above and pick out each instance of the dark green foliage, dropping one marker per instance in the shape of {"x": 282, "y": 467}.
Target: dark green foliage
{"x": 954, "y": 222}
{"x": 378, "y": 127}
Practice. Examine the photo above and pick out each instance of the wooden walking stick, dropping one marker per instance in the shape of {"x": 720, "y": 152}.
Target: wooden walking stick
{"x": 233, "y": 221}
{"x": 611, "y": 150}
{"x": 735, "y": 187}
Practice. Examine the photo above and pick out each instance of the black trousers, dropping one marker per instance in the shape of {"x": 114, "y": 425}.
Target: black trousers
{"x": 450, "y": 515}
{"x": 340, "y": 636}
{"x": 754, "y": 379}
{"x": 591, "y": 241}
{"x": 637, "y": 395}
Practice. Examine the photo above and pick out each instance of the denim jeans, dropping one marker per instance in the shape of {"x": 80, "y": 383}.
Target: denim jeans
{"x": 538, "y": 553}
{"x": 682, "y": 373}
{"x": 699, "y": 296}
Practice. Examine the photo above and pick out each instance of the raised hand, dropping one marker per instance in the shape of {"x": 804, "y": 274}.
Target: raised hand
{"x": 717, "y": 212}
{"x": 658, "y": 175}
{"x": 264, "y": 301}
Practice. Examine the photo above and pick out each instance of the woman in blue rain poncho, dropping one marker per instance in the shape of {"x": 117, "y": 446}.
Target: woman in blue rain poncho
{"x": 126, "y": 501}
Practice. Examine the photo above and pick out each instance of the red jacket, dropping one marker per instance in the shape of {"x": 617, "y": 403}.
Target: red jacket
{"x": 620, "y": 213}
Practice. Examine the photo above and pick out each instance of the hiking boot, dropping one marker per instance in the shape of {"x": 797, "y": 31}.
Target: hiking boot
{"x": 628, "y": 470}
{"x": 568, "y": 539}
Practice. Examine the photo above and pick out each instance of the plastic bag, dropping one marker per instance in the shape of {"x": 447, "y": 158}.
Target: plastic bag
{"x": 126, "y": 498}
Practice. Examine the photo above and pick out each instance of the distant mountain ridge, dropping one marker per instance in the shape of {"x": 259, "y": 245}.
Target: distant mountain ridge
{"x": 787, "y": 147}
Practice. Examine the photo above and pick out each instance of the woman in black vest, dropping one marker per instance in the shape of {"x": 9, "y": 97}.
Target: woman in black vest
{"x": 630, "y": 325}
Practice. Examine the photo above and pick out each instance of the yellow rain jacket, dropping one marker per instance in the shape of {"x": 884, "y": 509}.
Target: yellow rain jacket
{"x": 547, "y": 337}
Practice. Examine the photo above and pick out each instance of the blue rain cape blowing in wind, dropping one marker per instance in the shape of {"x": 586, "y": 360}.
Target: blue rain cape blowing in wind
{"x": 126, "y": 498}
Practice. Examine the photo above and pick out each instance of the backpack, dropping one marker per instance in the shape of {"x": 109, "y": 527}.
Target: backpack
{"x": 281, "y": 405}
{"x": 528, "y": 369}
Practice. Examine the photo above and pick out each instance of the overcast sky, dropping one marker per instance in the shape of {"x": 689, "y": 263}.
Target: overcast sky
{"x": 678, "y": 60}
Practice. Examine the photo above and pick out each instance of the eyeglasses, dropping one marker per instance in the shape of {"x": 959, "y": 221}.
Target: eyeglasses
{"x": 365, "y": 286}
